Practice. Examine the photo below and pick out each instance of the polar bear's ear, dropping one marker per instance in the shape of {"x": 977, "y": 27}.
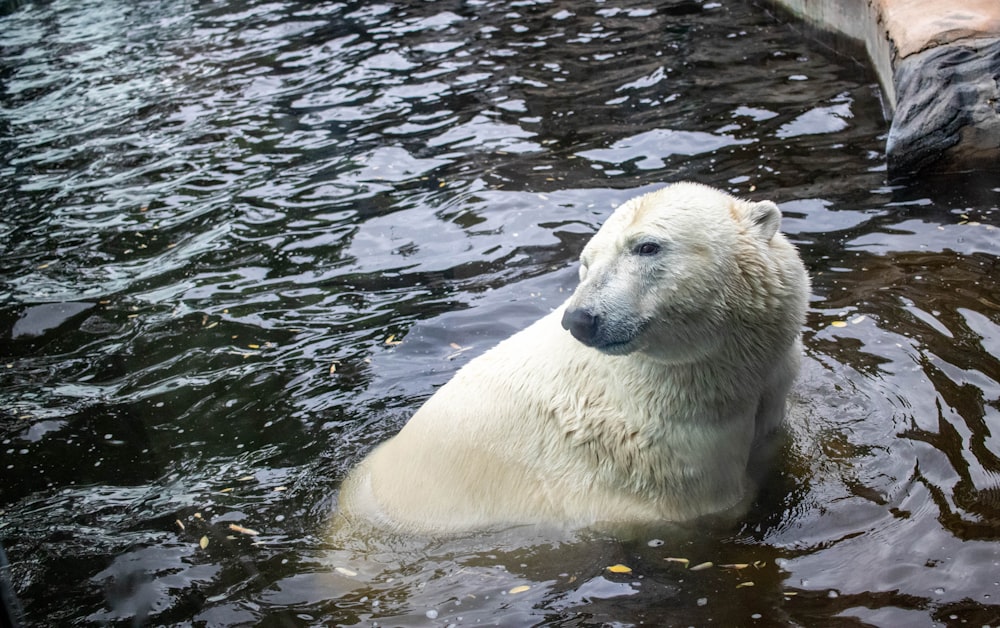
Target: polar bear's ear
{"x": 765, "y": 218}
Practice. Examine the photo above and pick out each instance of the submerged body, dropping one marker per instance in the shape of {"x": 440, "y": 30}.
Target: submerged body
{"x": 640, "y": 399}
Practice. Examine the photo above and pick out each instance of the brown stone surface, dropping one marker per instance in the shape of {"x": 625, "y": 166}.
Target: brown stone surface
{"x": 915, "y": 25}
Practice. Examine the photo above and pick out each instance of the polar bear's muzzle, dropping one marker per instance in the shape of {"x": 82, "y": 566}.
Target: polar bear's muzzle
{"x": 582, "y": 324}
{"x": 595, "y": 331}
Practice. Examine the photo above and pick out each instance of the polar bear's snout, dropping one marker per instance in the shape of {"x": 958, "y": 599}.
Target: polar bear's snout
{"x": 611, "y": 334}
{"x": 582, "y": 323}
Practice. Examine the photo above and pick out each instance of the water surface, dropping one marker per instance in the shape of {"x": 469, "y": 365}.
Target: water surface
{"x": 242, "y": 241}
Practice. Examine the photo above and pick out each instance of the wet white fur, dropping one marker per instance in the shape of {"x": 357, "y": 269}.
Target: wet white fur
{"x": 543, "y": 429}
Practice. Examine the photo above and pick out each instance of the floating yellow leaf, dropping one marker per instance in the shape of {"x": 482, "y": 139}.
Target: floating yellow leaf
{"x": 744, "y": 585}
{"x": 254, "y": 346}
{"x": 701, "y": 566}
{"x": 519, "y": 589}
{"x": 238, "y": 528}
{"x": 682, "y": 561}
{"x": 735, "y": 566}
{"x": 180, "y": 524}
{"x": 838, "y": 324}
{"x": 281, "y": 488}
{"x": 246, "y": 478}
{"x": 226, "y": 490}
{"x": 454, "y": 345}
{"x": 620, "y": 569}
{"x": 391, "y": 340}
{"x": 203, "y": 542}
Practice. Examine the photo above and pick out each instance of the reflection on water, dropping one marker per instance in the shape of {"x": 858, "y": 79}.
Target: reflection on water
{"x": 242, "y": 241}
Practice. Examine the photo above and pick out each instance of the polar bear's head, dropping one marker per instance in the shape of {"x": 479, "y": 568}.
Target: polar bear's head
{"x": 676, "y": 272}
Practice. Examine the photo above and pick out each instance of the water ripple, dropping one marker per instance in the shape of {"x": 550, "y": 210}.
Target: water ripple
{"x": 242, "y": 240}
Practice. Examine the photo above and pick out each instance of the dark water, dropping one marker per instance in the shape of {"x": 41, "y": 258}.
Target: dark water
{"x": 219, "y": 220}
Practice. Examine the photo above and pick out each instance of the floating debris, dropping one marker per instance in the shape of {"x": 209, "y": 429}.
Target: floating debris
{"x": 344, "y": 571}
{"x": 682, "y": 561}
{"x": 619, "y": 568}
{"x": 458, "y": 350}
{"x": 180, "y": 524}
{"x": 702, "y": 566}
{"x": 838, "y": 324}
{"x": 744, "y": 585}
{"x": 203, "y": 542}
{"x": 519, "y": 589}
{"x": 238, "y": 528}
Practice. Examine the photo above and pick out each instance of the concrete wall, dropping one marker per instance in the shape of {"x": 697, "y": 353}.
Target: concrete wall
{"x": 939, "y": 65}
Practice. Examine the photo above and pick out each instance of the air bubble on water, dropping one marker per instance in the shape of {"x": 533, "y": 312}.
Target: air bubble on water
{"x": 431, "y": 614}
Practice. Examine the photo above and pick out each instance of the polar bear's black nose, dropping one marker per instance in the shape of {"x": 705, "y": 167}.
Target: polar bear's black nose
{"x": 582, "y": 324}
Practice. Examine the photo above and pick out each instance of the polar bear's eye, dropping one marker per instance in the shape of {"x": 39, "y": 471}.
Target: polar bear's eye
{"x": 647, "y": 248}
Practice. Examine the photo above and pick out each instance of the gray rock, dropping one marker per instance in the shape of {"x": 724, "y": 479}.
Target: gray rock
{"x": 947, "y": 114}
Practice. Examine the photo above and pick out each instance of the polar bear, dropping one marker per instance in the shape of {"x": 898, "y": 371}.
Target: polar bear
{"x": 639, "y": 400}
